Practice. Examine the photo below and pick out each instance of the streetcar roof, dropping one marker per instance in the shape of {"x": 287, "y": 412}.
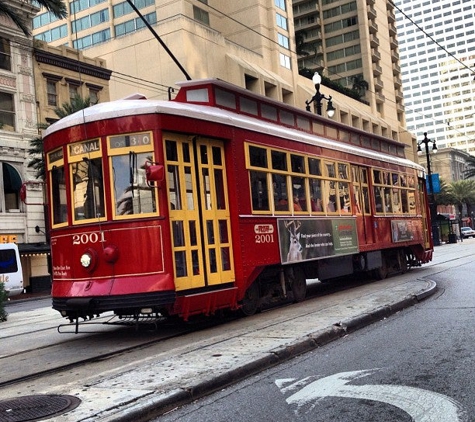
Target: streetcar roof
{"x": 142, "y": 106}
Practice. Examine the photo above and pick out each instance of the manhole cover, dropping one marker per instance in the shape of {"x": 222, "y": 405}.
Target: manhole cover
{"x": 34, "y": 408}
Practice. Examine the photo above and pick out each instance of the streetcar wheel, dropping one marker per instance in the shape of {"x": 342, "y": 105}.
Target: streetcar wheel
{"x": 299, "y": 285}
{"x": 381, "y": 273}
{"x": 403, "y": 266}
{"x": 251, "y": 301}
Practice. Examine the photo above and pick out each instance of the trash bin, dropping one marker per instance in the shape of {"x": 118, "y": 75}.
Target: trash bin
{"x": 452, "y": 238}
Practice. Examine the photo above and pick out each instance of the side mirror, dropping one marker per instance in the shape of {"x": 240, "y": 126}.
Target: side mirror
{"x": 155, "y": 173}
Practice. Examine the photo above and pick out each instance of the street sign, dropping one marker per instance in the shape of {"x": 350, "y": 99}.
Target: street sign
{"x": 435, "y": 183}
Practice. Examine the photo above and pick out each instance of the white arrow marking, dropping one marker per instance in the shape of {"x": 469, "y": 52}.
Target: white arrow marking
{"x": 421, "y": 405}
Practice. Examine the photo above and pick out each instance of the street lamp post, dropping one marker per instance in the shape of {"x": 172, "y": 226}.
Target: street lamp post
{"x": 318, "y": 97}
{"x": 432, "y": 204}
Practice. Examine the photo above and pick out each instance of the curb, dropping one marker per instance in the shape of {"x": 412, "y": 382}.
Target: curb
{"x": 153, "y": 407}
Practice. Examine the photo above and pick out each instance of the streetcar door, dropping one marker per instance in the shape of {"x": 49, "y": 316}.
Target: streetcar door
{"x": 359, "y": 177}
{"x": 199, "y": 212}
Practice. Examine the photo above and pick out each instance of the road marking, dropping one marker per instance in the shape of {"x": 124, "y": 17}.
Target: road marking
{"x": 421, "y": 405}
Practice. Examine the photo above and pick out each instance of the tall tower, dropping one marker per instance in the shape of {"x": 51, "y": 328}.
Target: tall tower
{"x": 437, "y": 53}
{"x": 251, "y": 43}
{"x": 353, "y": 43}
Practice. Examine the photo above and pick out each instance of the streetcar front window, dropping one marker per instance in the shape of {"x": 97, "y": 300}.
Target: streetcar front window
{"x": 132, "y": 193}
{"x": 88, "y": 189}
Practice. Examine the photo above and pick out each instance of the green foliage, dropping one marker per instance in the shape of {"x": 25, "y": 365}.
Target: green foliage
{"x": 470, "y": 172}
{"x": 37, "y": 159}
{"x": 11, "y": 10}
{"x": 3, "y": 298}
{"x": 355, "y": 93}
{"x": 457, "y": 193}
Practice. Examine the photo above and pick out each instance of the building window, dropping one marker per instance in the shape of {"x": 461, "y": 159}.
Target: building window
{"x": 283, "y": 40}
{"x": 281, "y": 21}
{"x": 134, "y": 24}
{"x": 7, "y": 112}
{"x": 5, "y": 55}
{"x": 11, "y": 188}
{"x": 94, "y": 95}
{"x": 73, "y": 92}
{"x": 52, "y": 93}
{"x": 89, "y": 40}
{"x": 90, "y": 21}
{"x": 124, "y": 8}
{"x": 201, "y": 15}
{"x": 280, "y": 4}
{"x": 285, "y": 61}
{"x": 53, "y": 34}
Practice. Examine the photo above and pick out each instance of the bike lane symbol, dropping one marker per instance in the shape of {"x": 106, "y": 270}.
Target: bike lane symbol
{"x": 421, "y": 405}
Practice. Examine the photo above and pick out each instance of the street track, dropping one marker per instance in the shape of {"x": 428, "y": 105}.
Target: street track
{"x": 33, "y": 348}
{"x": 33, "y": 352}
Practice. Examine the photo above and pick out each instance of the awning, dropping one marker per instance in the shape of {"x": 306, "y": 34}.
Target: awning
{"x": 11, "y": 179}
{"x": 33, "y": 248}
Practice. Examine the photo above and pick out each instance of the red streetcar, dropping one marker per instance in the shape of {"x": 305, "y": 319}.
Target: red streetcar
{"x": 221, "y": 199}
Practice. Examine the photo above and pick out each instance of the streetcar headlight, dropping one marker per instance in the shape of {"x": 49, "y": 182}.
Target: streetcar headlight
{"x": 86, "y": 260}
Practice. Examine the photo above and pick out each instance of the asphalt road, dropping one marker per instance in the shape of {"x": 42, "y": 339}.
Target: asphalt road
{"x": 413, "y": 366}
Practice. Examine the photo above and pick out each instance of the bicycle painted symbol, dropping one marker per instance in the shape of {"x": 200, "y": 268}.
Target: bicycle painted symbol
{"x": 421, "y": 405}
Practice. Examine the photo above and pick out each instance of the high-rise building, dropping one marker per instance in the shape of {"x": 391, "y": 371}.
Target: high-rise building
{"x": 353, "y": 43}
{"x": 437, "y": 54}
{"x": 250, "y": 43}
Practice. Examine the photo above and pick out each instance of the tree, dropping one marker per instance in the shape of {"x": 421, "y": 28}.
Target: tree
{"x": 359, "y": 85}
{"x": 461, "y": 192}
{"x": 37, "y": 159}
{"x": 56, "y": 7}
{"x": 300, "y": 43}
{"x": 470, "y": 172}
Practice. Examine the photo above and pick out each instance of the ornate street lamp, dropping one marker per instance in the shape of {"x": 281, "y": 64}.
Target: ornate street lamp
{"x": 432, "y": 205}
{"x": 318, "y": 97}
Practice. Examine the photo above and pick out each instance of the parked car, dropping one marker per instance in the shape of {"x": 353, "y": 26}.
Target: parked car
{"x": 467, "y": 232}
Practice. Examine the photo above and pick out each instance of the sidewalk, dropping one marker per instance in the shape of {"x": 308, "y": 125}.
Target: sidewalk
{"x": 211, "y": 359}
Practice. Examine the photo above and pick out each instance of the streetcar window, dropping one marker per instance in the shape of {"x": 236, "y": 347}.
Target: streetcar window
{"x": 225, "y": 98}
{"x": 404, "y": 201}
{"x": 378, "y": 198}
{"x": 286, "y": 118}
{"x": 343, "y": 171}
{"x": 88, "y": 189}
{"x": 132, "y": 193}
{"x": 298, "y": 163}
{"x": 314, "y": 166}
{"x": 268, "y": 112}
{"x": 364, "y": 176}
{"x": 279, "y": 160}
{"x": 299, "y": 194}
{"x": 303, "y": 123}
{"x": 279, "y": 185}
{"x": 204, "y": 154}
{"x": 330, "y": 169}
{"x": 330, "y": 200}
{"x": 257, "y": 157}
{"x": 58, "y": 195}
{"x": 316, "y": 195}
{"x": 219, "y": 189}
{"x": 344, "y": 197}
{"x": 259, "y": 191}
{"x": 174, "y": 190}
{"x": 365, "y": 192}
{"x": 171, "y": 151}
{"x": 387, "y": 200}
{"x": 248, "y": 106}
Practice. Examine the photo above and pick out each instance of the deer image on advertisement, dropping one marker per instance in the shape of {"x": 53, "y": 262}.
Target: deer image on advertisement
{"x": 295, "y": 248}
